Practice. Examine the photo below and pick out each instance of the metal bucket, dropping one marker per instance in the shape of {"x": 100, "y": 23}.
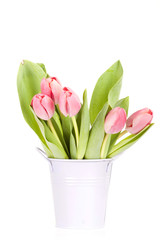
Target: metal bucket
{"x": 80, "y": 189}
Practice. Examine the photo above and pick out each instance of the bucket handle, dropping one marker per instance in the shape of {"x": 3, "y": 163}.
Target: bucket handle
{"x": 45, "y": 156}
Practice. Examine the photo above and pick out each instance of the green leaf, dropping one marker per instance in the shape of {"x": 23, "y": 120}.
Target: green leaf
{"x": 67, "y": 128}
{"x": 28, "y": 84}
{"x": 84, "y": 128}
{"x": 105, "y": 147}
{"x": 43, "y": 67}
{"x": 96, "y": 135}
{"x": 114, "y": 93}
{"x": 56, "y": 118}
{"x": 78, "y": 118}
{"x": 58, "y": 128}
{"x": 103, "y": 86}
{"x": 123, "y": 103}
{"x": 54, "y": 146}
{"x": 47, "y": 151}
{"x": 128, "y": 142}
{"x": 73, "y": 149}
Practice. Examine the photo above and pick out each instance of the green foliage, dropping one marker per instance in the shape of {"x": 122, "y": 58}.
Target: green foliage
{"x": 56, "y": 149}
{"x": 122, "y": 103}
{"x": 73, "y": 148}
{"x": 60, "y": 142}
{"x": 84, "y": 128}
{"x": 107, "y": 89}
{"x": 96, "y": 135}
{"x": 128, "y": 142}
{"x": 28, "y": 84}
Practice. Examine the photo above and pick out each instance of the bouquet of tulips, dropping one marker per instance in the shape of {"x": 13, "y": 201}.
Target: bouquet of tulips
{"x": 66, "y": 127}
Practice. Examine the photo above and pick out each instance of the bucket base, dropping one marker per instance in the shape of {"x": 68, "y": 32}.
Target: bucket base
{"x": 81, "y": 227}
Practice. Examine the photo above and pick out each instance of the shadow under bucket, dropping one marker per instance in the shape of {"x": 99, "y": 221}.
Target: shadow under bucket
{"x": 80, "y": 189}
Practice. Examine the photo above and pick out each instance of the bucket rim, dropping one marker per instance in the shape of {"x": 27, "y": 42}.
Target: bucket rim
{"x": 74, "y": 160}
{"x": 80, "y": 160}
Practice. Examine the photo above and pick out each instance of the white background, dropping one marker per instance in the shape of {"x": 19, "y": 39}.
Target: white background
{"x": 78, "y": 41}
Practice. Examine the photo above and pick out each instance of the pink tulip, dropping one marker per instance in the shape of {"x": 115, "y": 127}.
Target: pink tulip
{"x": 115, "y": 120}
{"x": 139, "y": 120}
{"x": 43, "y": 106}
{"x": 69, "y": 102}
{"x": 51, "y": 87}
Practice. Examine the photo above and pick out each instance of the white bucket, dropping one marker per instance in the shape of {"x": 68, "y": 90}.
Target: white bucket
{"x": 80, "y": 189}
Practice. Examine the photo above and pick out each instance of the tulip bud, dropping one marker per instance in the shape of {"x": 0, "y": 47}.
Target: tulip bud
{"x": 139, "y": 120}
{"x": 69, "y": 102}
{"x": 43, "y": 106}
{"x": 51, "y": 87}
{"x": 115, "y": 120}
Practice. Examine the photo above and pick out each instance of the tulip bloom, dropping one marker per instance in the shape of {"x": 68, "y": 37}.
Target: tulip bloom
{"x": 115, "y": 120}
{"x": 139, "y": 120}
{"x": 43, "y": 106}
{"x": 69, "y": 102}
{"x": 51, "y": 87}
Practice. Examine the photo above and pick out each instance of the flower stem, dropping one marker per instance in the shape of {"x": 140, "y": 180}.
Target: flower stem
{"x": 53, "y": 131}
{"x": 103, "y": 155}
{"x": 75, "y": 129}
{"x": 122, "y": 133}
{"x": 58, "y": 110}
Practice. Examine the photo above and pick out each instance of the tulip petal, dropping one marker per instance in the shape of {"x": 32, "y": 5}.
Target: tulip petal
{"x": 120, "y": 122}
{"x": 110, "y": 121}
{"x": 43, "y": 106}
{"x": 48, "y": 105}
{"x": 138, "y": 120}
{"x": 45, "y": 88}
{"x": 73, "y": 105}
{"x": 56, "y": 79}
{"x": 69, "y": 102}
{"x": 39, "y": 109}
{"x": 139, "y": 123}
{"x": 63, "y": 104}
{"x": 134, "y": 115}
{"x": 56, "y": 90}
{"x": 115, "y": 120}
